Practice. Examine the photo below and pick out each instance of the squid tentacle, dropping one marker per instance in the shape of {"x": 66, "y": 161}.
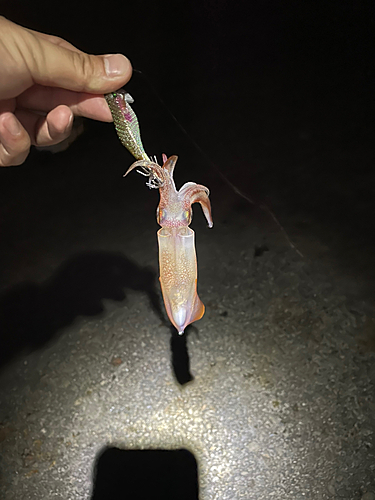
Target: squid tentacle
{"x": 170, "y": 163}
{"x": 196, "y": 193}
{"x": 149, "y": 169}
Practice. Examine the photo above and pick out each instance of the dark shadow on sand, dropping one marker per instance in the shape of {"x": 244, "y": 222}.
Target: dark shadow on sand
{"x": 180, "y": 356}
{"x": 31, "y": 314}
{"x": 145, "y": 474}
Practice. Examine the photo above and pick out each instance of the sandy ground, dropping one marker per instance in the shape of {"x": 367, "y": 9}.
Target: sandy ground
{"x": 272, "y": 391}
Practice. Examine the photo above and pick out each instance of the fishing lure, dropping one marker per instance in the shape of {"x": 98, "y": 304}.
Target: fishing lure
{"x": 177, "y": 256}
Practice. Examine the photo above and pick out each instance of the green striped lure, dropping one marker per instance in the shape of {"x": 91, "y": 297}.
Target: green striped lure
{"x": 126, "y": 123}
{"x": 127, "y": 128}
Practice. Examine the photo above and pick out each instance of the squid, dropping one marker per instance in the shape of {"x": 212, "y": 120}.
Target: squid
{"x": 176, "y": 240}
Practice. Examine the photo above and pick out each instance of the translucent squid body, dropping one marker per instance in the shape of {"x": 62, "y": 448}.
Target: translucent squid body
{"x": 177, "y": 257}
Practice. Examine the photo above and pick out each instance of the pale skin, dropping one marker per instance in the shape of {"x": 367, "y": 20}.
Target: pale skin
{"x": 44, "y": 82}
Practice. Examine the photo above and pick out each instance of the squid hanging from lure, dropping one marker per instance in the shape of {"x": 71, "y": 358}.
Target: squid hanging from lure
{"x": 177, "y": 257}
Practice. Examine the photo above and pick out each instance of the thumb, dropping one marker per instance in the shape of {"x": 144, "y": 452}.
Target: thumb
{"x": 56, "y": 66}
{"x": 28, "y": 57}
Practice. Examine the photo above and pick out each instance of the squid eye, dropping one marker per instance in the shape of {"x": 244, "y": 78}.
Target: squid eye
{"x": 187, "y": 215}
{"x": 161, "y": 215}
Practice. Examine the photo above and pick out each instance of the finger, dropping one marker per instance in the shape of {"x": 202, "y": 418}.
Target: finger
{"x": 56, "y": 40}
{"x": 47, "y": 130}
{"x": 45, "y": 99}
{"x": 30, "y": 58}
{"x": 14, "y": 141}
{"x": 56, "y": 66}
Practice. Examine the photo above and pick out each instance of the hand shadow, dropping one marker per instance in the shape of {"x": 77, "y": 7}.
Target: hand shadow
{"x": 31, "y": 313}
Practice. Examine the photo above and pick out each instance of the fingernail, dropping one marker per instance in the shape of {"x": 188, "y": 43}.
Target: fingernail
{"x": 116, "y": 65}
{"x": 12, "y": 125}
{"x": 70, "y": 123}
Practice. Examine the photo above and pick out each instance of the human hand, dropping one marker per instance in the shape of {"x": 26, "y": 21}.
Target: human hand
{"x": 44, "y": 82}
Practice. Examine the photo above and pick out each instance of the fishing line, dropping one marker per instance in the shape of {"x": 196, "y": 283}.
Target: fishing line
{"x": 248, "y": 198}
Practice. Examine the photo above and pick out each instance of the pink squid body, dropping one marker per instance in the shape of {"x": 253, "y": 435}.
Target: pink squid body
{"x": 177, "y": 258}
{"x": 178, "y": 276}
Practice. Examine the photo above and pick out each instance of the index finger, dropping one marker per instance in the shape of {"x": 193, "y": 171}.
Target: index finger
{"x": 39, "y": 98}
